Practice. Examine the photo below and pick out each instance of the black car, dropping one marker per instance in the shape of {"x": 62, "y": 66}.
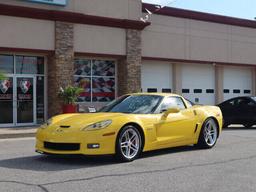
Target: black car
{"x": 239, "y": 110}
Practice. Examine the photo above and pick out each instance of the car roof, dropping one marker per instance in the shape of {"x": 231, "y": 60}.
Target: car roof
{"x": 234, "y": 98}
{"x": 156, "y": 93}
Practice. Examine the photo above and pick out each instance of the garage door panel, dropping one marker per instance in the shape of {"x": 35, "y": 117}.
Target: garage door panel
{"x": 156, "y": 76}
{"x": 237, "y": 82}
{"x": 198, "y": 83}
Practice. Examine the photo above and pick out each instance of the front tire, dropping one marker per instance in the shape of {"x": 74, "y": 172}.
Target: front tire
{"x": 128, "y": 144}
{"x": 209, "y": 134}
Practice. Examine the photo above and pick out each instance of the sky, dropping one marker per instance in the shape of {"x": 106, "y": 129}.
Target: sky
{"x": 235, "y": 8}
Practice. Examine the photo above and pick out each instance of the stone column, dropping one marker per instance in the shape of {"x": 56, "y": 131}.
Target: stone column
{"x": 60, "y": 66}
{"x": 129, "y": 69}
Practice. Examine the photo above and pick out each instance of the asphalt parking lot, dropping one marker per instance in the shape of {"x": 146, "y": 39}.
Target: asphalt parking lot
{"x": 229, "y": 166}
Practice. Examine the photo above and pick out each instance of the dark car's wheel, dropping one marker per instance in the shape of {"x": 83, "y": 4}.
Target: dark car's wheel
{"x": 248, "y": 125}
{"x": 209, "y": 134}
{"x": 128, "y": 144}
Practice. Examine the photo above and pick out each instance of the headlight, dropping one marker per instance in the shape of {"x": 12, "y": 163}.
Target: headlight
{"x": 98, "y": 125}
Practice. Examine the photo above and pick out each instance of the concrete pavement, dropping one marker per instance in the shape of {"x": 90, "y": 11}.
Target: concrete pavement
{"x": 228, "y": 167}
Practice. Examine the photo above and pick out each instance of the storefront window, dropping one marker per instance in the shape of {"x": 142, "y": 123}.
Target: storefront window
{"x": 6, "y": 63}
{"x": 82, "y": 67}
{"x": 29, "y": 65}
{"x": 103, "y": 89}
{"x": 85, "y": 83}
{"x": 103, "y": 68}
{"x": 97, "y": 78}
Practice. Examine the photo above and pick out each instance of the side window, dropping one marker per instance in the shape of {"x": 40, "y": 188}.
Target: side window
{"x": 251, "y": 103}
{"x": 243, "y": 102}
{"x": 231, "y": 103}
{"x": 172, "y": 102}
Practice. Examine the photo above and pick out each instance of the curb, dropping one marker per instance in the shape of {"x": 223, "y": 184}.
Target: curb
{"x": 16, "y": 135}
{"x": 18, "y": 132}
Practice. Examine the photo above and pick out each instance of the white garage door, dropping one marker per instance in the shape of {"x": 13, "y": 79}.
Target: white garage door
{"x": 156, "y": 76}
{"x": 198, "y": 83}
{"x": 237, "y": 82}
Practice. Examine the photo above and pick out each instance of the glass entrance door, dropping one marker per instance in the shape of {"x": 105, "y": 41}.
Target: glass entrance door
{"x": 25, "y": 100}
{"x": 22, "y": 93}
{"x": 18, "y": 101}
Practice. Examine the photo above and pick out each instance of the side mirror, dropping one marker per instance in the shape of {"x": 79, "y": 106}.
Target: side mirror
{"x": 169, "y": 111}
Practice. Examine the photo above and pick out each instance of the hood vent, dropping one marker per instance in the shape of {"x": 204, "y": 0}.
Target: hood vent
{"x": 65, "y": 126}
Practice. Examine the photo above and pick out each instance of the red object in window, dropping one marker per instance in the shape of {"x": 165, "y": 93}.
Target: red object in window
{"x": 69, "y": 108}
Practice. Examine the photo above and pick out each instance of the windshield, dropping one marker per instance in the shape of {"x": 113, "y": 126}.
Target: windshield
{"x": 137, "y": 104}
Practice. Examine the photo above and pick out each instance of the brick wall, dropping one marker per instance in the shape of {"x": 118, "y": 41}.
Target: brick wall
{"x": 60, "y": 65}
{"x": 129, "y": 69}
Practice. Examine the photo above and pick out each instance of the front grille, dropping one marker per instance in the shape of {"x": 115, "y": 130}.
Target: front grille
{"x": 62, "y": 146}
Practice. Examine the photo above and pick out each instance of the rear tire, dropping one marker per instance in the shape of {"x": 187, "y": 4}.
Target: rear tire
{"x": 208, "y": 135}
{"x": 128, "y": 144}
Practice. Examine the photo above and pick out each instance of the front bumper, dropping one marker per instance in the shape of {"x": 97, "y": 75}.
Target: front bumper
{"x": 98, "y": 142}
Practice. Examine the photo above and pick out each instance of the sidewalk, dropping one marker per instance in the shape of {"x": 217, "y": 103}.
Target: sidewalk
{"x": 17, "y": 132}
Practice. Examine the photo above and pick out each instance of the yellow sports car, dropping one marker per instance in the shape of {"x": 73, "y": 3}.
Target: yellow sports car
{"x": 131, "y": 124}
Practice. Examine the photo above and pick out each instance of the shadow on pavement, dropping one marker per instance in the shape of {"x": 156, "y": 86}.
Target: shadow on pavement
{"x": 239, "y": 128}
{"x": 46, "y": 163}
{"x": 55, "y": 163}
{"x": 169, "y": 151}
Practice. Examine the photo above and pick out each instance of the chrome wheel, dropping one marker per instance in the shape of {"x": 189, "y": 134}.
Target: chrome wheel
{"x": 130, "y": 143}
{"x": 210, "y": 132}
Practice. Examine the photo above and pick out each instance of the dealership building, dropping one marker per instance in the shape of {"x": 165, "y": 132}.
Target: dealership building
{"x": 105, "y": 48}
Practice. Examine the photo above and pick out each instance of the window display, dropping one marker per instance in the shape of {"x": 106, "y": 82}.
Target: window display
{"x": 97, "y": 78}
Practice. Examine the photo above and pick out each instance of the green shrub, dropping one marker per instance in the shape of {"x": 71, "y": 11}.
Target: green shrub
{"x": 2, "y": 76}
{"x": 70, "y": 94}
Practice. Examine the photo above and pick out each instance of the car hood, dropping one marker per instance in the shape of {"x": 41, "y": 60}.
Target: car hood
{"x": 82, "y": 120}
